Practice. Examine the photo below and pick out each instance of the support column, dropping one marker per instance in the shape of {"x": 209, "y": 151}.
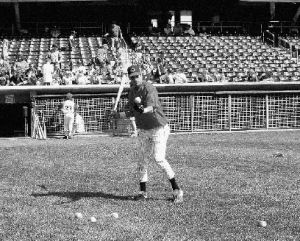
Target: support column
{"x": 272, "y": 11}
{"x": 17, "y": 16}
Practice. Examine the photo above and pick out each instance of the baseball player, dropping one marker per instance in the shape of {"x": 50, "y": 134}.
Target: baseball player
{"x": 153, "y": 131}
{"x": 68, "y": 109}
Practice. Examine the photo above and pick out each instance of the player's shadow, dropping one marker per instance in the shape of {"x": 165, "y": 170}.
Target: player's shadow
{"x": 76, "y": 196}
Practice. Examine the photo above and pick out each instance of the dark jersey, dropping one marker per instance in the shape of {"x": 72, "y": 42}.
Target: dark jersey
{"x": 149, "y": 97}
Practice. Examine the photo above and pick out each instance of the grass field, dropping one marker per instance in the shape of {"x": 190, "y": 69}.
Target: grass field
{"x": 230, "y": 180}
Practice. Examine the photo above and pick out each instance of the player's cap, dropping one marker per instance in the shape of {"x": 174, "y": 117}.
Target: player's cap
{"x": 133, "y": 70}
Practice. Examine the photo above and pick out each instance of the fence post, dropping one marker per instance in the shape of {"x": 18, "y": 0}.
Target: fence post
{"x": 192, "y": 106}
{"x": 267, "y": 111}
{"x": 229, "y": 112}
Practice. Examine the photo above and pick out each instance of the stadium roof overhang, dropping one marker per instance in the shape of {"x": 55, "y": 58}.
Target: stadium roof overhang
{"x": 49, "y": 1}
{"x": 267, "y": 1}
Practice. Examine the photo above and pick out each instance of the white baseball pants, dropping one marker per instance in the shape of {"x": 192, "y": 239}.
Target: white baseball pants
{"x": 68, "y": 123}
{"x": 153, "y": 144}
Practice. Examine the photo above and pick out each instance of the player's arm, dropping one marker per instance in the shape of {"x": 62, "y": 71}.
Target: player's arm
{"x": 150, "y": 101}
{"x": 62, "y": 108}
{"x": 148, "y": 109}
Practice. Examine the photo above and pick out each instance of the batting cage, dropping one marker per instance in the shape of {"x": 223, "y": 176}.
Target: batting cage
{"x": 195, "y": 108}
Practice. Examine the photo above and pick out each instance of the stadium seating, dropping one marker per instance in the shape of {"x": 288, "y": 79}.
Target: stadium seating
{"x": 232, "y": 55}
{"x": 36, "y": 50}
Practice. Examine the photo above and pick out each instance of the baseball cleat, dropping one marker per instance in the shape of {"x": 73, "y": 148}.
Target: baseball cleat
{"x": 178, "y": 196}
{"x": 141, "y": 196}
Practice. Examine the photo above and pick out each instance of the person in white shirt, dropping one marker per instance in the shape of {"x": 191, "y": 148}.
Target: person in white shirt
{"x": 55, "y": 56}
{"x": 5, "y": 49}
{"x": 189, "y": 31}
{"x": 48, "y": 71}
{"x": 68, "y": 109}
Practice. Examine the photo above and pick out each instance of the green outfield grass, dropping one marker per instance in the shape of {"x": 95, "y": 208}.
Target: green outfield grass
{"x": 230, "y": 180}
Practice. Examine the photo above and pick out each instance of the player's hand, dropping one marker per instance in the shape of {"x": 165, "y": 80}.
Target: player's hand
{"x": 115, "y": 114}
{"x": 139, "y": 108}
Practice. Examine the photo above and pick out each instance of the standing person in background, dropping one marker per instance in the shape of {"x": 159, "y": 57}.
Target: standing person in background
{"x": 19, "y": 69}
{"x": 55, "y": 56}
{"x": 161, "y": 73}
{"x": 153, "y": 131}
{"x": 68, "y": 109}
{"x": 101, "y": 57}
{"x": 48, "y": 71}
{"x": 5, "y": 48}
{"x": 115, "y": 34}
{"x": 5, "y": 72}
{"x": 72, "y": 40}
{"x": 189, "y": 31}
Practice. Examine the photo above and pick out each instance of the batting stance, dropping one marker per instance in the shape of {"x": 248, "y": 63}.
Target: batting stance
{"x": 153, "y": 129}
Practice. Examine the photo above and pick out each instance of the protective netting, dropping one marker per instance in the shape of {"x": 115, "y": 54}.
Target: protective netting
{"x": 284, "y": 111}
{"x": 248, "y": 112}
{"x": 186, "y": 113}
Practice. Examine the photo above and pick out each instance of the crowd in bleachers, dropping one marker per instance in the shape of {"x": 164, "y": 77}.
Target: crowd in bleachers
{"x": 163, "y": 59}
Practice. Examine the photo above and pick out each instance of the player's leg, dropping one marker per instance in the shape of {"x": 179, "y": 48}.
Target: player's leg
{"x": 160, "y": 138}
{"x": 66, "y": 127}
{"x": 143, "y": 152}
{"x": 134, "y": 128}
{"x": 71, "y": 125}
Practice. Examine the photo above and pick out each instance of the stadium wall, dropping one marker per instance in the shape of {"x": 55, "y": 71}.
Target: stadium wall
{"x": 189, "y": 107}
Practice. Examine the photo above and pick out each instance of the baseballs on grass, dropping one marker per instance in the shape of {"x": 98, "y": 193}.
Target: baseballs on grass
{"x": 93, "y": 219}
{"x": 137, "y": 100}
{"x": 79, "y": 215}
{"x": 262, "y": 224}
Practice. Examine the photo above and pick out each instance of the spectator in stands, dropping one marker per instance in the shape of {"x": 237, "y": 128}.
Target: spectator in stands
{"x": 189, "y": 31}
{"x": 5, "y": 49}
{"x": 46, "y": 32}
{"x": 72, "y": 43}
{"x": 153, "y": 31}
{"x": 31, "y": 75}
{"x": 5, "y": 72}
{"x": 200, "y": 77}
{"x": 266, "y": 75}
{"x": 160, "y": 74}
{"x": 252, "y": 76}
{"x": 82, "y": 78}
{"x": 115, "y": 35}
{"x": 179, "y": 77}
{"x": 19, "y": 70}
{"x": 218, "y": 76}
{"x": 48, "y": 71}
{"x": 55, "y": 56}
{"x": 178, "y": 29}
{"x": 208, "y": 77}
{"x": 68, "y": 78}
{"x": 55, "y": 32}
{"x": 147, "y": 67}
{"x": 168, "y": 30}
{"x": 101, "y": 57}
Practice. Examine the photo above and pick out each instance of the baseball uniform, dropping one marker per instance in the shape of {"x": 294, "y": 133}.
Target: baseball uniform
{"x": 145, "y": 107}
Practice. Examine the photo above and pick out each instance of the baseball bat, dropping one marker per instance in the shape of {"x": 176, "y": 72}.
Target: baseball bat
{"x": 121, "y": 88}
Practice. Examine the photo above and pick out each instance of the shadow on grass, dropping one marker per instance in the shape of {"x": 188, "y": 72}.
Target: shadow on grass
{"x": 76, "y": 196}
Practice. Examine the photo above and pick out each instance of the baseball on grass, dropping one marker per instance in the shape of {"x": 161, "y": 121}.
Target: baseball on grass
{"x": 137, "y": 100}
{"x": 262, "y": 223}
{"x": 93, "y": 219}
{"x": 79, "y": 215}
{"x": 115, "y": 215}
